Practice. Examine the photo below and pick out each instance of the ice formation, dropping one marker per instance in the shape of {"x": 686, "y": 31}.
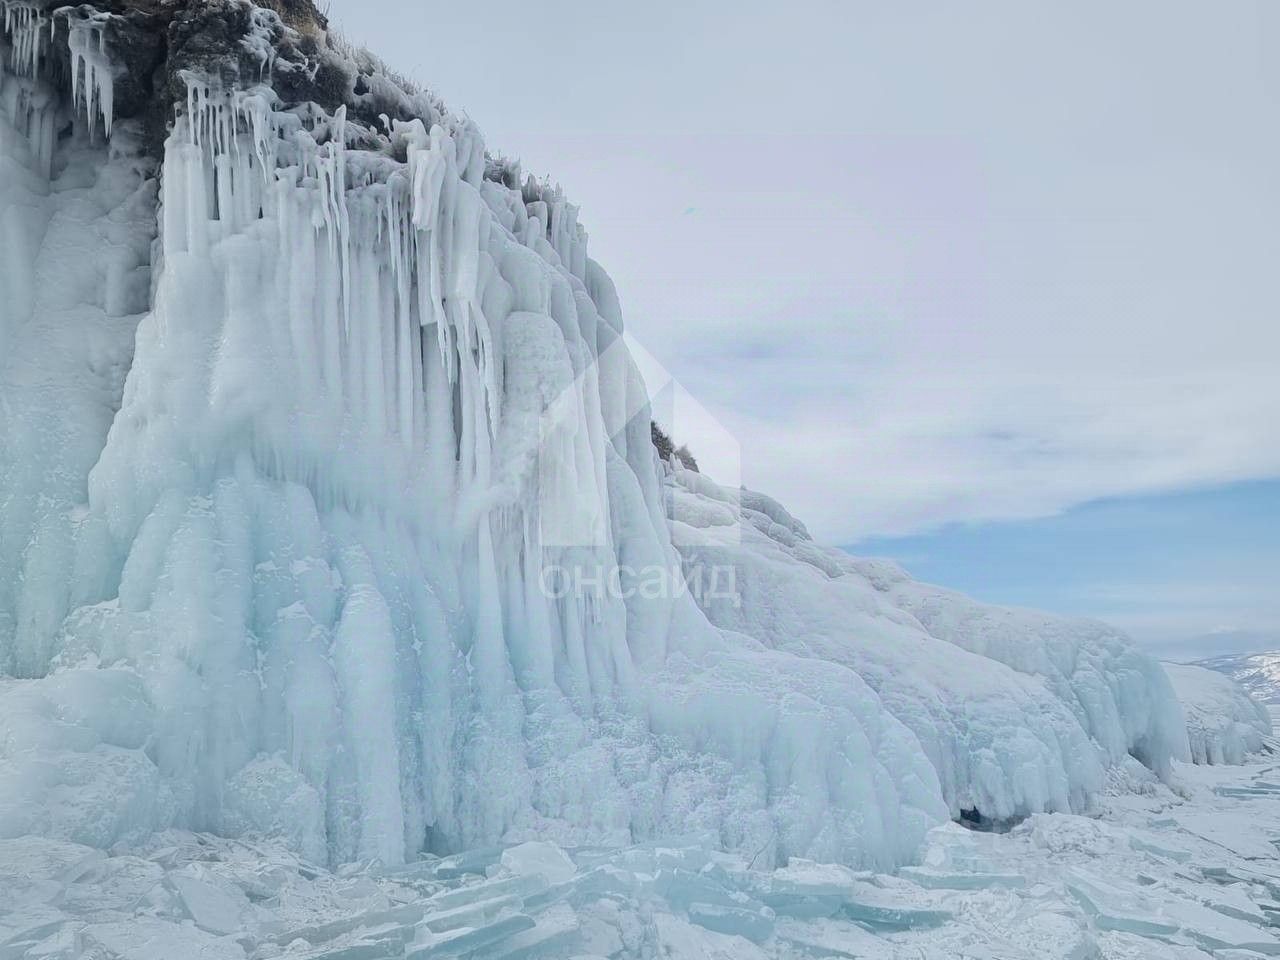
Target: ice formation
{"x": 1224, "y": 723}
{"x": 1018, "y": 712}
{"x": 298, "y": 404}
{"x": 301, "y": 540}
{"x": 1189, "y": 876}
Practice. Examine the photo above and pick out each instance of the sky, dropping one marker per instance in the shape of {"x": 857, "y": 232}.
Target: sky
{"x": 990, "y": 288}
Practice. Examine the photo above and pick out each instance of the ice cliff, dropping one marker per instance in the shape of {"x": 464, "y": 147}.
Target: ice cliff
{"x": 1224, "y": 723}
{"x": 302, "y": 394}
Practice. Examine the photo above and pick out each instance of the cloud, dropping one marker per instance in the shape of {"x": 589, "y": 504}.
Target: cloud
{"x": 913, "y": 446}
{"x": 948, "y": 262}
{"x": 930, "y": 336}
{"x": 1193, "y": 619}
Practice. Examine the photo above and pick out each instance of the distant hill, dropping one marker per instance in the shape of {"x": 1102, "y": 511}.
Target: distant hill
{"x": 1259, "y": 673}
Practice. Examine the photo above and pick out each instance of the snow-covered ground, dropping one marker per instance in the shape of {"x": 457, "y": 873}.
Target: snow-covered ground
{"x": 1188, "y": 873}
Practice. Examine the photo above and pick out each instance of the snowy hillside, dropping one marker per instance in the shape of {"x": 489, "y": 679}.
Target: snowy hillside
{"x": 1259, "y": 673}
{"x": 302, "y": 397}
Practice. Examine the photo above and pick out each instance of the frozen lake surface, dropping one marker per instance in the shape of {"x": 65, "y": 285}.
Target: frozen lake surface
{"x": 1190, "y": 872}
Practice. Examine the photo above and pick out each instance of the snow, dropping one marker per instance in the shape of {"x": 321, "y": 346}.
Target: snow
{"x": 1224, "y": 723}
{"x": 287, "y": 450}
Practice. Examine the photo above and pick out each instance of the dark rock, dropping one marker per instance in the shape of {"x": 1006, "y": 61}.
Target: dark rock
{"x": 157, "y": 43}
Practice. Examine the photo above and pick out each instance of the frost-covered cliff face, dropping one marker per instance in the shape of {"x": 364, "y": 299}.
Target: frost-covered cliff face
{"x": 300, "y": 399}
{"x": 1225, "y": 724}
{"x": 1018, "y": 712}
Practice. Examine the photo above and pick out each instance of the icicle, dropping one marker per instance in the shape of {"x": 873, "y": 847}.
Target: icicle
{"x": 259, "y": 42}
{"x": 87, "y": 42}
{"x": 430, "y": 161}
{"x": 331, "y": 170}
{"x": 25, "y": 24}
{"x": 401, "y": 270}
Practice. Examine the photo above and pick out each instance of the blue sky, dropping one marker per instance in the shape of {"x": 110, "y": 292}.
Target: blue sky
{"x": 988, "y": 276}
{"x": 1189, "y": 574}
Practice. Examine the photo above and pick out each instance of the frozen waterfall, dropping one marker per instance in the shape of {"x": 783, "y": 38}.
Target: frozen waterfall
{"x": 296, "y": 409}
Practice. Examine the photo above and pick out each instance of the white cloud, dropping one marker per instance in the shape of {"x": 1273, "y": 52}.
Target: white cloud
{"x": 928, "y": 262}
{"x": 912, "y": 446}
